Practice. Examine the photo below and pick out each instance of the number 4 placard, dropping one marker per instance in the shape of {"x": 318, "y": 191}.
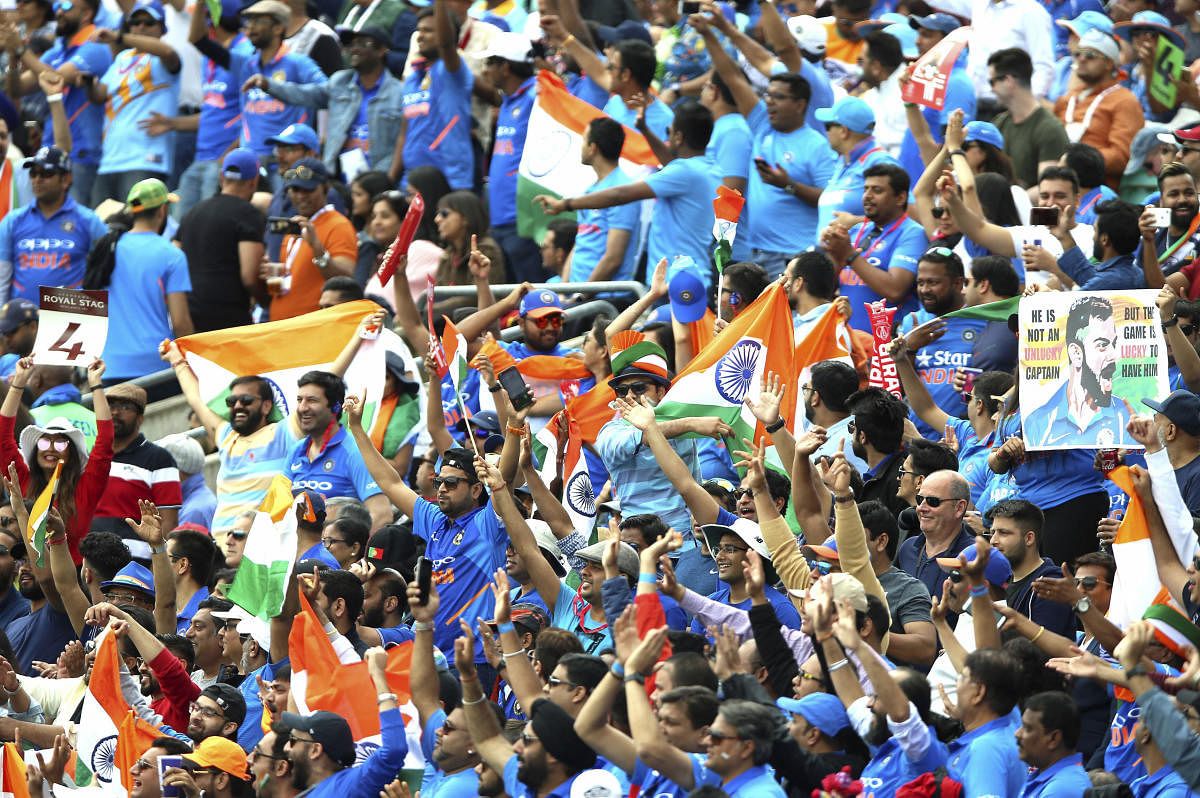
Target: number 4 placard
{"x": 72, "y": 327}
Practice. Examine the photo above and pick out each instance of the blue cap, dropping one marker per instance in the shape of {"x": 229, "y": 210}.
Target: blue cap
{"x": 135, "y": 576}
{"x": 49, "y": 158}
{"x": 998, "y": 570}
{"x": 231, "y": 9}
{"x": 318, "y": 506}
{"x": 240, "y": 164}
{"x": 151, "y": 7}
{"x": 940, "y": 22}
{"x": 823, "y": 710}
{"x": 484, "y": 421}
{"x": 1144, "y": 21}
{"x": 1086, "y": 21}
{"x": 626, "y": 30}
{"x": 852, "y": 113}
{"x": 906, "y": 35}
{"x": 297, "y": 133}
{"x": 540, "y": 302}
{"x": 689, "y": 299}
{"x": 306, "y": 174}
{"x": 869, "y": 26}
{"x": 985, "y": 132}
{"x": 1182, "y": 408}
{"x": 16, "y": 312}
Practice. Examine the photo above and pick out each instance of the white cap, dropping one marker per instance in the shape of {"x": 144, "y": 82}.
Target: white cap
{"x": 809, "y": 33}
{"x": 596, "y": 783}
{"x": 510, "y": 47}
{"x": 1102, "y": 43}
{"x": 258, "y": 629}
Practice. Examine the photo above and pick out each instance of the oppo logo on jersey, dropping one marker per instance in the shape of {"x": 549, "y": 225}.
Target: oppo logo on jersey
{"x": 320, "y": 486}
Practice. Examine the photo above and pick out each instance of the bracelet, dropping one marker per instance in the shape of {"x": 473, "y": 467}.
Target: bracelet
{"x": 567, "y": 203}
{"x": 496, "y": 388}
{"x": 647, "y": 579}
{"x": 952, "y": 153}
{"x": 1039, "y": 634}
{"x": 11, "y": 692}
{"x": 979, "y": 592}
{"x": 472, "y": 677}
{"x": 618, "y": 670}
{"x": 422, "y": 626}
{"x": 56, "y": 541}
{"x": 472, "y": 702}
{"x": 776, "y": 426}
{"x": 844, "y": 499}
{"x": 507, "y": 626}
{"x": 1174, "y": 320}
{"x": 519, "y": 652}
{"x": 54, "y": 98}
{"x": 159, "y": 549}
{"x": 640, "y": 678}
{"x": 385, "y": 697}
{"x": 841, "y": 663}
{"x": 514, "y": 430}
{"x": 567, "y": 42}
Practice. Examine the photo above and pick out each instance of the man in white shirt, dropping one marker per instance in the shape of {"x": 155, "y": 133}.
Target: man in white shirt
{"x": 998, "y": 24}
{"x": 883, "y": 64}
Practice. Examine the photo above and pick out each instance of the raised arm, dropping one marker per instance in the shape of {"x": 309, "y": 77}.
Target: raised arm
{"x": 552, "y": 510}
{"x": 169, "y": 351}
{"x": 1186, "y": 357}
{"x": 149, "y": 529}
{"x": 743, "y": 93}
{"x": 914, "y": 389}
{"x": 447, "y": 38}
{"x": 629, "y": 316}
{"x": 493, "y": 749}
{"x": 423, "y": 678}
{"x": 994, "y": 237}
{"x": 395, "y": 488}
{"x": 519, "y": 673}
{"x": 652, "y": 748}
{"x": 406, "y": 310}
{"x": 589, "y": 62}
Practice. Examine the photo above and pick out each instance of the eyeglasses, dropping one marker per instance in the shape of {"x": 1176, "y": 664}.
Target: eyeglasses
{"x": 1088, "y": 582}
{"x": 294, "y": 740}
{"x": 328, "y": 542}
{"x": 638, "y": 388}
{"x": 554, "y": 681}
{"x": 729, "y": 548}
{"x": 121, "y": 598}
{"x": 244, "y": 399}
{"x": 1187, "y": 329}
{"x": 812, "y": 677}
{"x": 941, "y": 252}
{"x": 527, "y": 738}
{"x": 1086, "y": 55}
{"x": 59, "y": 445}
{"x": 904, "y": 471}
{"x": 450, "y": 482}
{"x": 552, "y": 320}
{"x": 443, "y": 213}
{"x": 718, "y": 736}
{"x": 207, "y": 712}
{"x": 255, "y": 753}
{"x": 302, "y": 173}
{"x": 932, "y": 501}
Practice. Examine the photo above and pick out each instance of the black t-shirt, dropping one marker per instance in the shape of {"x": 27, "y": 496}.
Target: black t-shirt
{"x": 210, "y": 234}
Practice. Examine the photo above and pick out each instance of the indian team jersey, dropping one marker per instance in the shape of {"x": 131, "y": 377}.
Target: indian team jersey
{"x": 439, "y": 133}
{"x": 897, "y": 246}
{"x": 1050, "y": 478}
{"x": 937, "y": 362}
{"x": 845, "y": 189}
{"x": 890, "y": 767}
{"x": 512, "y": 123}
{"x": 972, "y": 456}
{"x": 221, "y": 111}
{"x": 338, "y": 470}
{"x": 591, "y": 232}
{"x": 139, "y": 85}
{"x": 248, "y": 464}
{"x": 86, "y": 119}
{"x": 465, "y": 551}
{"x": 50, "y": 251}
{"x": 264, "y": 116}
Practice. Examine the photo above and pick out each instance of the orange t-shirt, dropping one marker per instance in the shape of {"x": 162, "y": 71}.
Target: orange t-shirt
{"x": 336, "y": 234}
{"x": 840, "y": 49}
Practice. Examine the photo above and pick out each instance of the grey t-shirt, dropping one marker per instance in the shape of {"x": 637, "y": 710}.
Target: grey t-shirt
{"x": 907, "y": 598}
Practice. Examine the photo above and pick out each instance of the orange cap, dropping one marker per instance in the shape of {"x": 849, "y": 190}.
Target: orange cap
{"x": 222, "y": 754}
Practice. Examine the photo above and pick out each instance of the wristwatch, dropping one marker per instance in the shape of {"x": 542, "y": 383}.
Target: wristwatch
{"x": 790, "y": 188}
{"x": 1083, "y": 605}
{"x": 323, "y": 261}
{"x": 1137, "y": 670}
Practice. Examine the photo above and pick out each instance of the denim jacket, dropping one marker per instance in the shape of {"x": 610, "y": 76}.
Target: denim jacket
{"x": 342, "y": 96}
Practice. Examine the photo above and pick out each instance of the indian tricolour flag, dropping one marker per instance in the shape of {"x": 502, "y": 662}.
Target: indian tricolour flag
{"x": 730, "y": 369}
{"x": 262, "y": 577}
{"x": 36, "y": 534}
{"x": 551, "y": 162}
{"x": 282, "y": 351}
{"x": 578, "y": 497}
{"x": 727, "y": 209}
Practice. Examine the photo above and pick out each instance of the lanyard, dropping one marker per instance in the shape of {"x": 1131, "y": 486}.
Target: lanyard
{"x": 294, "y": 242}
{"x": 1171, "y": 250}
{"x": 1089, "y": 204}
{"x": 880, "y": 237}
{"x": 1087, "y": 115}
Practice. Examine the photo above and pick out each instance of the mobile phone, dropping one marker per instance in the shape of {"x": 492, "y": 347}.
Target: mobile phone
{"x": 761, "y": 163}
{"x": 514, "y": 385}
{"x": 686, "y": 8}
{"x": 165, "y": 762}
{"x": 969, "y": 375}
{"x": 424, "y": 579}
{"x": 1043, "y": 216}
{"x": 282, "y": 224}
{"x": 1162, "y": 217}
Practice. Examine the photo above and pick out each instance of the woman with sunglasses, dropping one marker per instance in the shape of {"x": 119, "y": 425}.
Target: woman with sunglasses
{"x": 83, "y": 477}
{"x": 460, "y": 215}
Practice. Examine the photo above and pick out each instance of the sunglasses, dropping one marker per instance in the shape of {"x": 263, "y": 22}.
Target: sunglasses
{"x": 554, "y": 320}
{"x": 527, "y": 738}
{"x": 554, "y": 681}
{"x": 238, "y": 534}
{"x": 1187, "y": 329}
{"x": 450, "y": 482}
{"x": 956, "y": 576}
{"x": 442, "y": 213}
{"x": 6, "y": 522}
{"x": 1087, "y": 55}
{"x": 740, "y": 492}
{"x": 1088, "y": 582}
{"x": 719, "y": 736}
{"x": 255, "y": 753}
{"x": 938, "y": 211}
{"x": 44, "y": 444}
{"x": 932, "y": 501}
{"x": 63, "y": 5}
{"x": 941, "y": 252}
{"x": 638, "y": 388}
{"x": 244, "y": 399}
{"x": 302, "y": 173}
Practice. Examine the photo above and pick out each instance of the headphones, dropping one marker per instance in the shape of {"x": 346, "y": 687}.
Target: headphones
{"x": 336, "y": 409}
{"x": 735, "y": 299}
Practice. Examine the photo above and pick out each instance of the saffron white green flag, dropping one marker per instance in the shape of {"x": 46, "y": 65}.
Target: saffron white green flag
{"x": 553, "y": 165}
{"x": 267, "y": 560}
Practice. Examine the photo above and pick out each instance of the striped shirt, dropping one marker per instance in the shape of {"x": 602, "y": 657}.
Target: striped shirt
{"x": 142, "y": 470}
{"x": 638, "y": 479}
{"x": 248, "y": 464}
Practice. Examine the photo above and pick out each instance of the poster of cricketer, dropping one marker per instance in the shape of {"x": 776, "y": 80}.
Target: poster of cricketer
{"x": 1087, "y": 361}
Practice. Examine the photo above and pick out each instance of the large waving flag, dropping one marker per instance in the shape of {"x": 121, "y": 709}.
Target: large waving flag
{"x": 827, "y": 339}
{"x": 578, "y": 497}
{"x": 718, "y": 380}
{"x": 592, "y": 410}
{"x": 107, "y": 739}
{"x": 554, "y": 166}
{"x": 36, "y": 534}
{"x": 266, "y": 566}
{"x": 282, "y": 351}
